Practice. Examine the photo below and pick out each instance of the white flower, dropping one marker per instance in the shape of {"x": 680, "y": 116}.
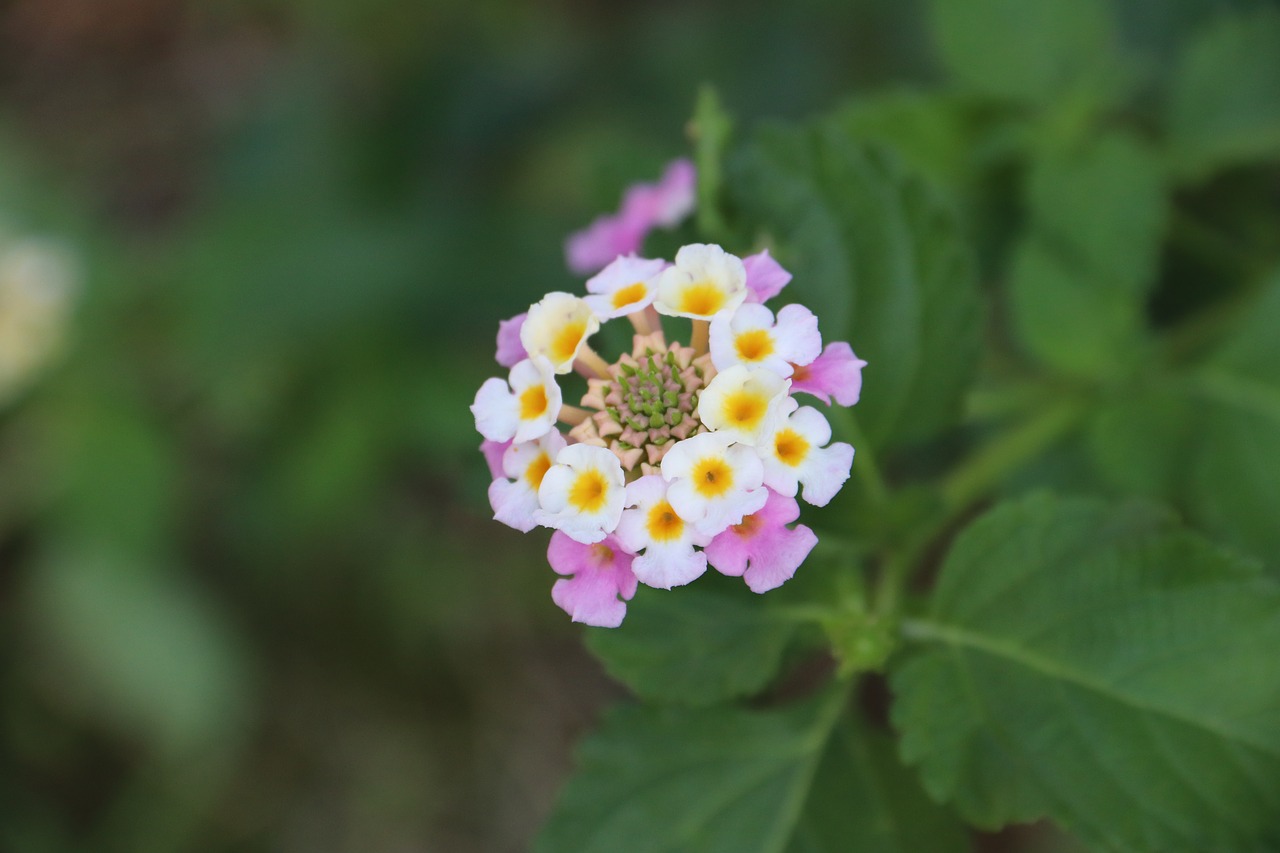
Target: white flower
{"x": 704, "y": 281}
{"x": 744, "y": 403}
{"x": 714, "y": 482}
{"x": 652, "y": 525}
{"x": 557, "y": 328}
{"x": 524, "y": 411}
{"x": 625, "y": 286}
{"x": 794, "y": 456}
{"x": 582, "y": 493}
{"x": 515, "y": 500}
{"x": 750, "y": 336}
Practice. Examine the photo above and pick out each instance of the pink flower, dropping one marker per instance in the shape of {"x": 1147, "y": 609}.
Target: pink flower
{"x": 600, "y": 582}
{"x": 644, "y": 207}
{"x": 510, "y": 350}
{"x": 765, "y": 277}
{"x": 762, "y": 549}
{"x": 836, "y": 373}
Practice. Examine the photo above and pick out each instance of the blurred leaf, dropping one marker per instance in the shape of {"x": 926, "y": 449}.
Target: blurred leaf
{"x": 1079, "y": 280}
{"x": 1234, "y": 486}
{"x": 1068, "y": 319}
{"x": 695, "y": 646}
{"x": 1141, "y": 441}
{"x": 880, "y": 259}
{"x": 141, "y": 649}
{"x": 1030, "y": 52}
{"x": 712, "y": 781}
{"x": 1099, "y": 666}
{"x": 1104, "y": 206}
{"x": 117, "y": 472}
{"x": 931, "y": 131}
{"x": 863, "y": 799}
{"x": 1224, "y": 102}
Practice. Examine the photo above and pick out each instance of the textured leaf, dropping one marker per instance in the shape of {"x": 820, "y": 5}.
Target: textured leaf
{"x": 879, "y": 258}
{"x": 1224, "y": 105}
{"x": 695, "y": 645}
{"x": 702, "y": 781}
{"x": 1097, "y": 665}
{"x": 1023, "y": 51}
{"x": 863, "y": 799}
{"x": 1079, "y": 280}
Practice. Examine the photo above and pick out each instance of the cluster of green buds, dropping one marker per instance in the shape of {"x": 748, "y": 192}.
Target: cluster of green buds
{"x": 648, "y": 401}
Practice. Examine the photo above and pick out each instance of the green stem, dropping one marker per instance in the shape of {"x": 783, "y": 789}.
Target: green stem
{"x": 986, "y": 468}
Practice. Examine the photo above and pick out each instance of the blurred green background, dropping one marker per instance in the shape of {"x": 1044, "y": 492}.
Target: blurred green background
{"x": 250, "y": 594}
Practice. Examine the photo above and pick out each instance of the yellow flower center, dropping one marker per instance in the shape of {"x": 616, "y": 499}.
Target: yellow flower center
{"x": 663, "y": 523}
{"x": 702, "y": 298}
{"x": 534, "y": 473}
{"x": 631, "y": 293}
{"x": 533, "y": 402}
{"x": 602, "y": 554}
{"x": 754, "y": 345}
{"x": 744, "y": 409}
{"x": 748, "y": 525}
{"x": 589, "y": 491}
{"x": 565, "y": 343}
{"x": 712, "y": 477}
{"x": 791, "y": 447}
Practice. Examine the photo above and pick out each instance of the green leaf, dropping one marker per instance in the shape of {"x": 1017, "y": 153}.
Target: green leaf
{"x": 1224, "y": 104}
{"x": 1079, "y": 280}
{"x": 879, "y": 258}
{"x": 695, "y": 646}
{"x": 932, "y": 132}
{"x": 1103, "y": 205}
{"x": 1029, "y": 52}
{"x": 703, "y": 781}
{"x": 141, "y": 650}
{"x": 1099, "y": 666}
{"x": 863, "y": 799}
{"x": 1234, "y": 484}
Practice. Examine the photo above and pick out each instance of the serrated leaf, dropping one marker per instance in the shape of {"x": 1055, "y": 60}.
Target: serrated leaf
{"x": 863, "y": 799}
{"x": 1224, "y": 103}
{"x": 1030, "y": 52}
{"x": 1097, "y": 665}
{"x": 703, "y": 781}
{"x": 879, "y": 259}
{"x": 695, "y": 646}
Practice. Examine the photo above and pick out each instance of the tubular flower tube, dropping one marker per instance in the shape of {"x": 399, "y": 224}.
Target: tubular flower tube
{"x": 679, "y": 455}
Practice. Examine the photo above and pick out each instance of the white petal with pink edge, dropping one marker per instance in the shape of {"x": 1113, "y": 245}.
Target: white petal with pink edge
{"x": 523, "y": 408}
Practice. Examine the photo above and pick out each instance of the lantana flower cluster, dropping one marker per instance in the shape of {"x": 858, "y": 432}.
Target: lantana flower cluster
{"x": 678, "y": 457}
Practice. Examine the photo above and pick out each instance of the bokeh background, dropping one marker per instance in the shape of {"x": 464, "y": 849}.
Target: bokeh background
{"x": 251, "y": 598}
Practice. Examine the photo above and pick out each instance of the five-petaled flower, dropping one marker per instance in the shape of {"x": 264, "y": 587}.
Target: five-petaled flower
{"x": 678, "y": 456}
